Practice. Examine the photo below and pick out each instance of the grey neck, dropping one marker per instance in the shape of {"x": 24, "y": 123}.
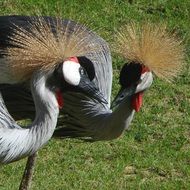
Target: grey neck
{"x": 111, "y": 125}
{"x": 89, "y": 118}
{"x": 17, "y": 142}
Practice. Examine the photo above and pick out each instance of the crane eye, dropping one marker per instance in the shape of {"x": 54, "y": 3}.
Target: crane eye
{"x": 82, "y": 71}
{"x": 88, "y": 66}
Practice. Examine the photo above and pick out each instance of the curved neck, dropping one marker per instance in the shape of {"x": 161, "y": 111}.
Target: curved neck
{"x": 17, "y": 142}
{"x": 89, "y": 118}
{"x": 111, "y": 125}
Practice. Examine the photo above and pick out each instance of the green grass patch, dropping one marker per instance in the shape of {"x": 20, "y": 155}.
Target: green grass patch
{"x": 155, "y": 152}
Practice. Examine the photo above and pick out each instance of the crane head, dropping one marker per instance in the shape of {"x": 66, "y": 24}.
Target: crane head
{"x": 134, "y": 79}
{"x": 76, "y": 74}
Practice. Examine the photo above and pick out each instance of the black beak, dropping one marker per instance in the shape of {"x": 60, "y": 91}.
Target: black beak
{"x": 89, "y": 88}
{"x": 122, "y": 94}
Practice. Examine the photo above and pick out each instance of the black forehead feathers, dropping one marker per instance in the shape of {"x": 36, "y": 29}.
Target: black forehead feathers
{"x": 56, "y": 79}
{"x": 88, "y": 66}
{"x": 58, "y": 72}
{"x": 130, "y": 74}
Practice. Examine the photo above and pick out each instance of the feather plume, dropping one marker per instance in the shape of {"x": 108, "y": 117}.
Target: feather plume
{"x": 153, "y": 46}
{"x": 44, "y": 43}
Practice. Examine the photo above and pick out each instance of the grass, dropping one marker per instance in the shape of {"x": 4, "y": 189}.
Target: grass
{"x": 155, "y": 152}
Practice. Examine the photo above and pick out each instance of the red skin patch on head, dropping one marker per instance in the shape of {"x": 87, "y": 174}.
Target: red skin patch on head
{"x": 144, "y": 69}
{"x": 74, "y": 59}
{"x": 59, "y": 99}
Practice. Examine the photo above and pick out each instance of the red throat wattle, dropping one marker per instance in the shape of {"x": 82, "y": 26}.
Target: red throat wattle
{"x": 59, "y": 99}
{"x": 137, "y": 101}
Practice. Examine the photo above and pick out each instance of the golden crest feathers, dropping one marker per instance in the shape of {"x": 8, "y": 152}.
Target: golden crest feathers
{"x": 153, "y": 46}
{"x": 44, "y": 43}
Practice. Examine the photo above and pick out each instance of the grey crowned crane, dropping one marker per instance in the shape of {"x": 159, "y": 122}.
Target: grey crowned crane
{"x": 37, "y": 52}
{"x": 48, "y": 74}
{"x": 148, "y": 49}
{"x": 17, "y": 142}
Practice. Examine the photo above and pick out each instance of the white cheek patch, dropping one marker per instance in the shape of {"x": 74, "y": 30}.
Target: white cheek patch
{"x": 143, "y": 76}
{"x": 146, "y": 81}
{"x": 71, "y": 72}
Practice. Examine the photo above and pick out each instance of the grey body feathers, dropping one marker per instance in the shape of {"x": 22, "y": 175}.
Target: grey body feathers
{"x": 17, "y": 142}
